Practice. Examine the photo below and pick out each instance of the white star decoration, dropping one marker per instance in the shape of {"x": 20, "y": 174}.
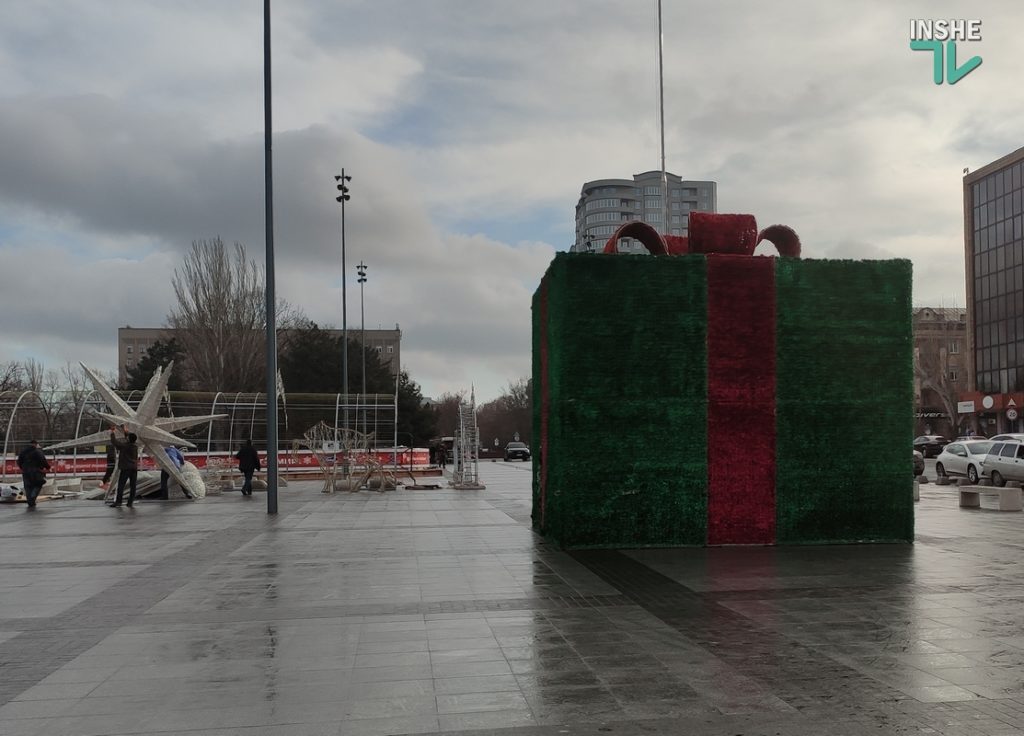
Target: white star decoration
{"x": 153, "y": 432}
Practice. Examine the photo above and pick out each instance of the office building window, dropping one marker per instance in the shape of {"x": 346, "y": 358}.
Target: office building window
{"x": 652, "y": 203}
{"x": 391, "y": 348}
{"x": 130, "y": 350}
{"x": 954, "y": 347}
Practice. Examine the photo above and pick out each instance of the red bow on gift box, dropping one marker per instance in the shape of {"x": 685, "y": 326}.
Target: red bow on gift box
{"x": 710, "y": 233}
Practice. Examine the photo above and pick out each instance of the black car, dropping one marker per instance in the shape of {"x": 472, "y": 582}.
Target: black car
{"x": 930, "y": 445}
{"x": 918, "y": 463}
{"x": 517, "y": 451}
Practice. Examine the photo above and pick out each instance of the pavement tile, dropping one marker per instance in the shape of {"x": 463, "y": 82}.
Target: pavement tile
{"x": 417, "y": 612}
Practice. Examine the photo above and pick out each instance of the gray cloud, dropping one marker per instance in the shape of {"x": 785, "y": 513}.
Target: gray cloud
{"x": 131, "y": 129}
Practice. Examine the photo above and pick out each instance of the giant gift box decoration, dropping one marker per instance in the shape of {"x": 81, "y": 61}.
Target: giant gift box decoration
{"x": 708, "y": 396}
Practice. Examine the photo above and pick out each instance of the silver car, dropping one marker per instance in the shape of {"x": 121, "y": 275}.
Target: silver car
{"x": 963, "y": 458}
{"x": 1005, "y": 462}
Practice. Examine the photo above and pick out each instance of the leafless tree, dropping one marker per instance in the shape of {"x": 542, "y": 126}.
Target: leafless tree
{"x": 932, "y": 368}
{"x": 508, "y": 415}
{"x": 220, "y": 317}
{"x": 447, "y": 408}
{"x": 11, "y": 376}
{"x": 35, "y": 375}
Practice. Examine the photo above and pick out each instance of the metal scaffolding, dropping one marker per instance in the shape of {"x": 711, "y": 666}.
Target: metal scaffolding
{"x": 466, "y": 475}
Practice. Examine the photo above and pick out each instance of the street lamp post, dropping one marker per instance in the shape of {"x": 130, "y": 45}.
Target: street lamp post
{"x": 362, "y": 318}
{"x": 343, "y": 197}
{"x": 361, "y": 268}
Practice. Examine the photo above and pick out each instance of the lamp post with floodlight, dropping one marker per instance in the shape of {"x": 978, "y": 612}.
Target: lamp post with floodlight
{"x": 343, "y": 197}
{"x": 361, "y": 269}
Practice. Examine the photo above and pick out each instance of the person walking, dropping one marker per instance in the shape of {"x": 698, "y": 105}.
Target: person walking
{"x": 442, "y": 455}
{"x": 248, "y": 462}
{"x": 111, "y": 464}
{"x": 127, "y": 463}
{"x": 33, "y": 464}
{"x": 175, "y": 456}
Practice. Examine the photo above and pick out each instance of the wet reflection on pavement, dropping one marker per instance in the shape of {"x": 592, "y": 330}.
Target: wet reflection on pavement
{"x": 433, "y": 611}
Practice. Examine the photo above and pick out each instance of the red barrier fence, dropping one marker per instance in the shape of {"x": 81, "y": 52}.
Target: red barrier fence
{"x": 95, "y": 464}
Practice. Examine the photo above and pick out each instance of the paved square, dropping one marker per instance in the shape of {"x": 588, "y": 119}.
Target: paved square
{"x": 440, "y": 611}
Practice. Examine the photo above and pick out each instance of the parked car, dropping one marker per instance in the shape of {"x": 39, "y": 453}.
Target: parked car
{"x": 517, "y": 451}
{"x": 1005, "y": 462}
{"x": 918, "y": 463}
{"x": 930, "y": 445}
{"x": 963, "y": 458}
{"x": 1011, "y": 436}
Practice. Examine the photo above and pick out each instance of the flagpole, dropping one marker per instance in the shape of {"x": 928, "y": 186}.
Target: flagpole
{"x": 661, "y": 105}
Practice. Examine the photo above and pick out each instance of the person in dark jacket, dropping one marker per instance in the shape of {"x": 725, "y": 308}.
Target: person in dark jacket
{"x": 248, "y": 462}
{"x": 127, "y": 463}
{"x": 33, "y": 466}
{"x": 111, "y": 464}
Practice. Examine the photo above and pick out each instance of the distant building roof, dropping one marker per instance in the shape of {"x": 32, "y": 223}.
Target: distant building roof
{"x": 949, "y": 314}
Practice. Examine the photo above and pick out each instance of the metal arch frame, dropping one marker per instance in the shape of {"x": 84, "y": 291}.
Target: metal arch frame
{"x": 10, "y": 423}
{"x": 231, "y": 426}
{"x": 209, "y": 432}
{"x": 78, "y": 424}
{"x": 252, "y": 419}
{"x": 337, "y": 404}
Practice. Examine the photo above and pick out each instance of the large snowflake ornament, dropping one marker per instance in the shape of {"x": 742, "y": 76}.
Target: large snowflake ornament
{"x": 154, "y": 433}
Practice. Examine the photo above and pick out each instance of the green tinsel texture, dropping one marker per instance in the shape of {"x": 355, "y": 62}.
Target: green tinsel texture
{"x": 844, "y": 401}
{"x": 627, "y": 460}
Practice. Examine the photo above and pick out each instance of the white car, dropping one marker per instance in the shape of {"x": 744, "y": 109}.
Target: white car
{"x": 1005, "y": 462}
{"x": 1011, "y": 436}
{"x": 963, "y": 458}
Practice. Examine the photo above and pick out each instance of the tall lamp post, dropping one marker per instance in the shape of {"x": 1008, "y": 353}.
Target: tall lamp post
{"x": 270, "y": 294}
{"x": 343, "y": 197}
{"x": 362, "y": 318}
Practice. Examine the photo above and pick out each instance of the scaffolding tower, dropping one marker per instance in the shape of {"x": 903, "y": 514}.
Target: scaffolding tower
{"x": 466, "y": 475}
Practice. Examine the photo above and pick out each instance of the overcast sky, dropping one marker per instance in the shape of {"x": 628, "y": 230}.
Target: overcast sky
{"x": 130, "y": 128}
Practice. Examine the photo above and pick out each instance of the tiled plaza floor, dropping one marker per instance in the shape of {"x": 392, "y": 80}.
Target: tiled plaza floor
{"x": 440, "y": 611}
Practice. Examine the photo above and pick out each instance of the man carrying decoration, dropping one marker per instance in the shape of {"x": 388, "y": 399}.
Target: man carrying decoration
{"x": 127, "y": 463}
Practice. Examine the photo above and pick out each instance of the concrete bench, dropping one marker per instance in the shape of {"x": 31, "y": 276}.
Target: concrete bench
{"x": 1009, "y": 497}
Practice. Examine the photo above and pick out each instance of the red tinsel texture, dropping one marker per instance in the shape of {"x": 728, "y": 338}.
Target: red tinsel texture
{"x": 709, "y": 233}
{"x": 741, "y": 400}
{"x": 714, "y": 233}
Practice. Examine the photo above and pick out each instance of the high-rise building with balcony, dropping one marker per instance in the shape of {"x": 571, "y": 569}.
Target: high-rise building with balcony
{"x": 605, "y": 204}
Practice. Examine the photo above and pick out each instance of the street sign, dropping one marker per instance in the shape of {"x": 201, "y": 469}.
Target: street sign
{"x": 965, "y": 407}
{"x": 1011, "y": 414}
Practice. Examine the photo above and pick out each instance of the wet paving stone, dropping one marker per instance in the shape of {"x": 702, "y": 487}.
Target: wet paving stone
{"x": 441, "y": 612}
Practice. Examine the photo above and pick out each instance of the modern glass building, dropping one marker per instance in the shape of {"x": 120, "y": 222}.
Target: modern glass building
{"x": 607, "y": 203}
{"x": 994, "y": 248}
